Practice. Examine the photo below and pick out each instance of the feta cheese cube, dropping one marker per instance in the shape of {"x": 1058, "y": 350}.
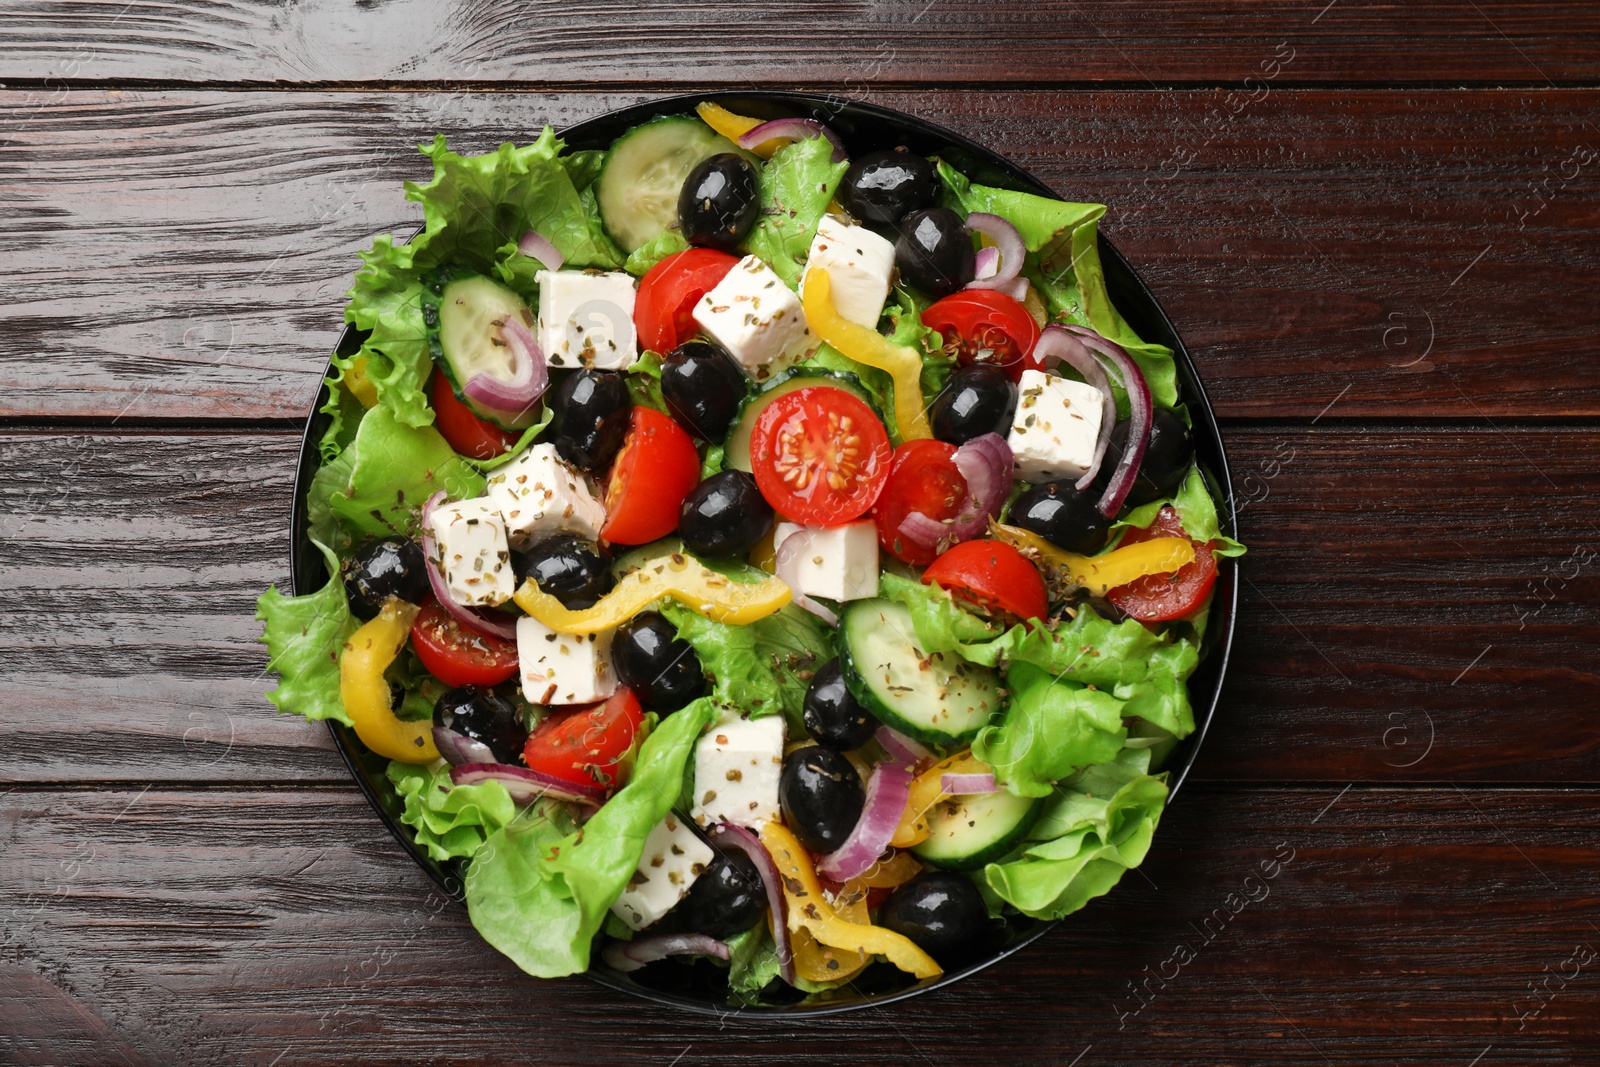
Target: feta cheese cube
{"x": 756, "y": 318}
{"x": 560, "y": 668}
{"x": 1055, "y": 428}
{"x": 470, "y": 546}
{"x": 539, "y": 495}
{"x": 586, "y": 319}
{"x": 837, "y": 562}
{"x": 736, "y": 769}
{"x": 859, "y": 264}
{"x": 674, "y": 856}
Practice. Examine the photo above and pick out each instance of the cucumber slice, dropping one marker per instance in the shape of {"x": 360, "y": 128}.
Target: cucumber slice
{"x": 736, "y": 449}
{"x": 939, "y": 698}
{"x": 462, "y": 312}
{"x": 964, "y": 833}
{"x": 644, "y": 172}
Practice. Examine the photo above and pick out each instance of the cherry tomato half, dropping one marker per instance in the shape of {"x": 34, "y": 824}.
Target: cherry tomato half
{"x": 923, "y": 478}
{"x": 461, "y": 427}
{"x": 820, "y": 456}
{"x": 1161, "y": 597}
{"x": 991, "y": 574}
{"x": 663, "y": 310}
{"x": 457, "y": 654}
{"x": 655, "y": 470}
{"x": 977, "y": 321}
{"x": 587, "y": 746}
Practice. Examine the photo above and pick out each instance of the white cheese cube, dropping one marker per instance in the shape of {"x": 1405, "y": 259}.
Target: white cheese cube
{"x": 586, "y": 319}
{"x": 560, "y": 668}
{"x": 859, "y": 264}
{"x": 673, "y": 858}
{"x": 756, "y": 318}
{"x": 1055, "y": 428}
{"x": 837, "y": 562}
{"x": 736, "y": 769}
{"x": 470, "y": 546}
{"x": 539, "y": 494}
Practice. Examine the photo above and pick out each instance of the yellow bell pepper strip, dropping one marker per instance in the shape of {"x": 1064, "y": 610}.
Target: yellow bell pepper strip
{"x": 927, "y": 789}
{"x": 903, "y": 364}
{"x": 734, "y": 126}
{"x": 1097, "y": 574}
{"x": 816, "y": 962}
{"x": 686, "y": 580}
{"x": 897, "y": 870}
{"x": 365, "y": 692}
{"x": 360, "y": 386}
{"x": 809, "y": 910}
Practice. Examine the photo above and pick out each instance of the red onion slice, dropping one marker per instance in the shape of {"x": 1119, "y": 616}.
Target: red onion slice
{"x": 1057, "y": 345}
{"x": 536, "y": 245}
{"x": 529, "y": 375}
{"x": 458, "y": 749}
{"x": 888, "y": 790}
{"x": 988, "y": 265}
{"x": 900, "y": 746}
{"x": 727, "y": 835}
{"x": 628, "y": 956}
{"x": 1007, "y": 241}
{"x": 794, "y": 130}
{"x": 525, "y": 785}
{"x": 965, "y": 784}
{"x": 1016, "y": 289}
{"x": 786, "y": 564}
{"x": 1141, "y": 414}
{"x": 473, "y": 618}
{"x": 985, "y": 463}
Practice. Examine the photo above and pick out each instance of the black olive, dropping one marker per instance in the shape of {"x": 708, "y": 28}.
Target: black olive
{"x": 703, "y": 389}
{"x": 941, "y": 911}
{"x": 883, "y": 187}
{"x": 1063, "y": 515}
{"x": 727, "y": 899}
{"x": 719, "y": 202}
{"x": 723, "y": 516}
{"x": 977, "y": 400}
{"x": 832, "y": 715}
{"x": 934, "y": 251}
{"x": 660, "y": 667}
{"x": 1166, "y": 461}
{"x": 485, "y": 716}
{"x": 574, "y": 570}
{"x": 821, "y": 797}
{"x": 590, "y": 411}
{"x": 389, "y": 566}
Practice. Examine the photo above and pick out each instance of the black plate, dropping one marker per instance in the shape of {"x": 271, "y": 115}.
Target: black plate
{"x": 863, "y": 127}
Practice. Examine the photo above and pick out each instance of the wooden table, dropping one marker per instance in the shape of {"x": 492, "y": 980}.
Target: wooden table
{"x": 1376, "y": 227}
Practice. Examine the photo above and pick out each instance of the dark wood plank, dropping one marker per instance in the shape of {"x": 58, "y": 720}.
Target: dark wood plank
{"x": 819, "y": 42}
{"x": 1383, "y": 562}
{"x": 286, "y": 927}
{"x": 1401, "y": 254}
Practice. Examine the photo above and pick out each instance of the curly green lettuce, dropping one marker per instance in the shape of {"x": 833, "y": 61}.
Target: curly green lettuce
{"x": 796, "y": 186}
{"x": 449, "y": 820}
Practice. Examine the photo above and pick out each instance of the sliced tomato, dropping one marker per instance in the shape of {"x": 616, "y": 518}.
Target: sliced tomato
{"x": 1162, "y": 597}
{"x": 590, "y": 745}
{"x": 984, "y": 325}
{"x": 663, "y": 310}
{"x": 655, "y": 470}
{"x": 465, "y": 432}
{"x": 820, "y": 456}
{"x": 992, "y": 575}
{"x": 457, "y": 654}
{"x": 922, "y": 478}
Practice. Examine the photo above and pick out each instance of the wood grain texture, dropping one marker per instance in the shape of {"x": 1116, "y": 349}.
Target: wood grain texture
{"x": 183, "y": 255}
{"x": 819, "y": 41}
{"x": 1382, "y": 563}
{"x": 286, "y": 927}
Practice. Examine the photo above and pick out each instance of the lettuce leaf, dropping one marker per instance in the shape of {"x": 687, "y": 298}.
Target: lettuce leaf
{"x": 1050, "y": 729}
{"x": 666, "y": 243}
{"x": 760, "y": 669}
{"x": 449, "y": 820}
{"x": 752, "y": 963}
{"x": 1196, "y": 510}
{"x": 539, "y": 891}
{"x": 390, "y": 470}
{"x": 797, "y": 184}
{"x": 304, "y": 635}
{"x": 1100, "y": 826}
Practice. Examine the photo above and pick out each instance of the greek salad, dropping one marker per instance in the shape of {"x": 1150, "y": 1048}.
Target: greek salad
{"x": 748, "y": 551}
